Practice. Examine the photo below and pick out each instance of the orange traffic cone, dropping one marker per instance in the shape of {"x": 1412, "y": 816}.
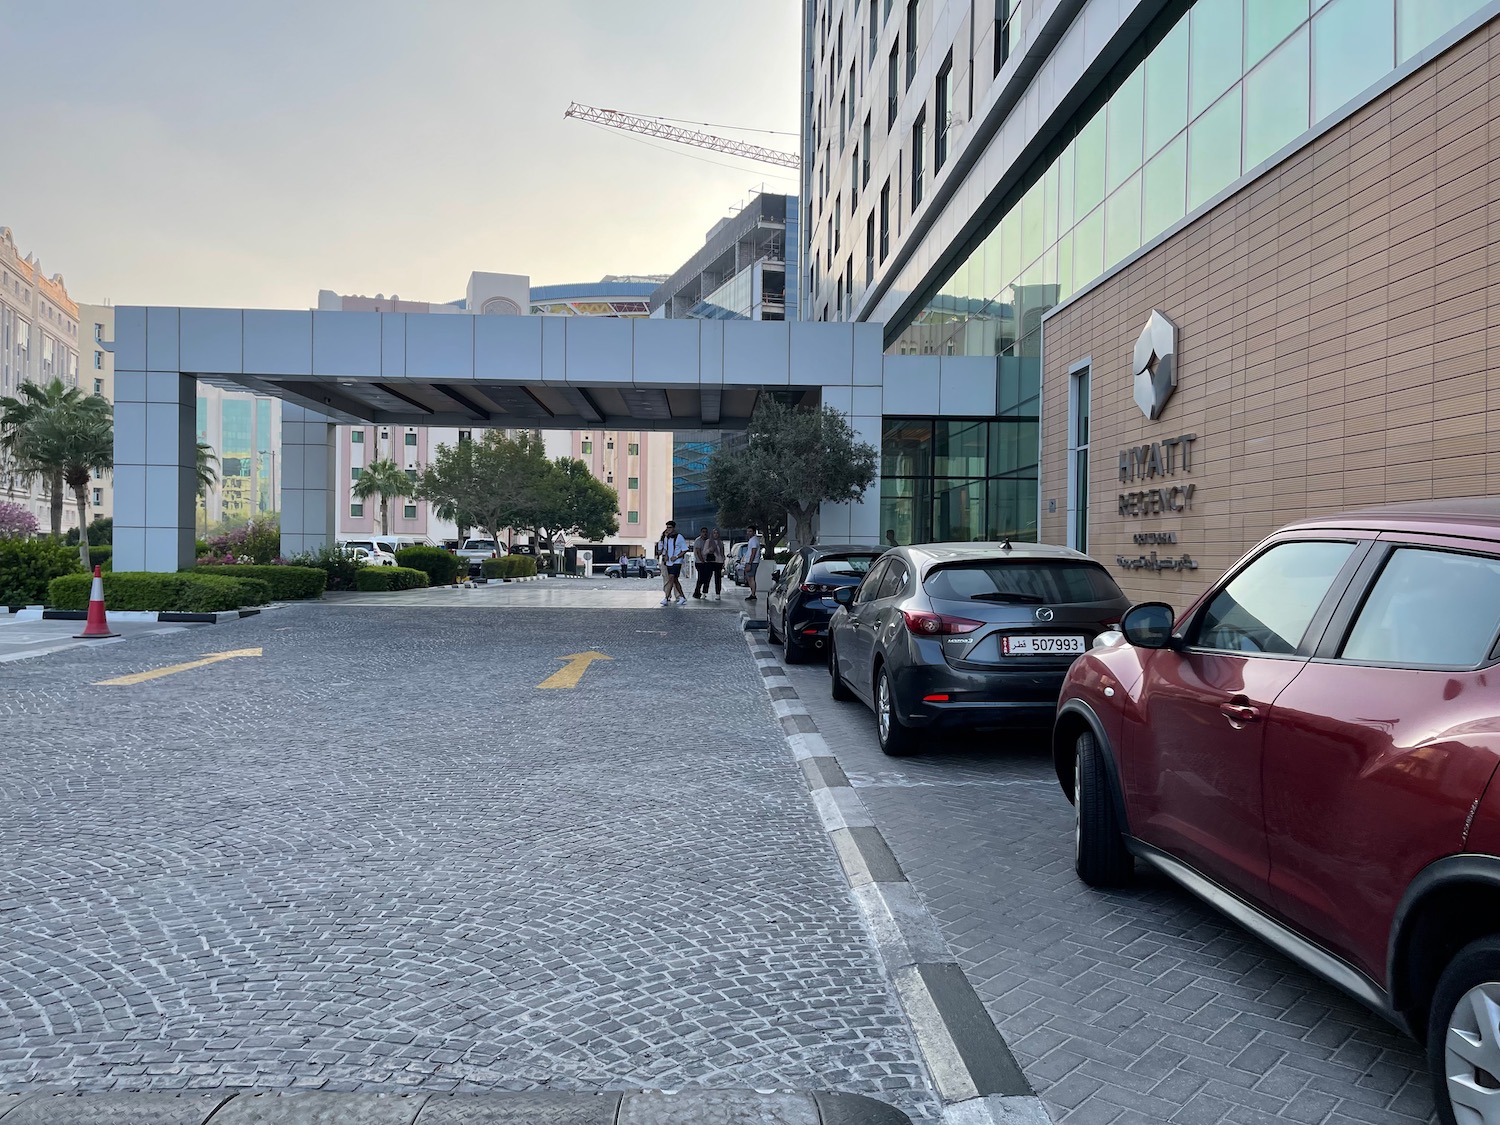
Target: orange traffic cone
{"x": 98, "y": 624}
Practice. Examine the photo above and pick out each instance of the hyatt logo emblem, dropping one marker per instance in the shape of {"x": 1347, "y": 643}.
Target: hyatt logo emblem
{"x": 1155, "y": 365}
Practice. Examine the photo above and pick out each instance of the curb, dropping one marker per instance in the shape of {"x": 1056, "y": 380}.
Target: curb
{"x": 627, "y": 1107}
{"x": 135, "y": 616}
{"x": 972, "y": 1068}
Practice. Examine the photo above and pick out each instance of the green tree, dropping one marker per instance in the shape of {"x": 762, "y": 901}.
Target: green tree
{"x": 387, "y": 480}
{"x": 485, "y": 484}
{"x": 21, "y": 439}
{"x": 448, "y": 483}
{"x": 795, "y": 461}
{"x": 206, "y": 469}
{"x": 63, "y": 436}
{"x": 575, "y": 503}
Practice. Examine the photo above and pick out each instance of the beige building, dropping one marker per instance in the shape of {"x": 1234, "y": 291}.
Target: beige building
{"x": 96, "y": 325}
{"x": 39, "y": 342}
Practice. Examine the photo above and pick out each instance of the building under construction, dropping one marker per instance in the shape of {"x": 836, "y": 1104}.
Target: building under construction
{"x": 746, "y": 270}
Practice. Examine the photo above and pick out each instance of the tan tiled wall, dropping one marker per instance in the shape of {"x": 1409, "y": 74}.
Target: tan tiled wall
{"x": 1339, "y": 334}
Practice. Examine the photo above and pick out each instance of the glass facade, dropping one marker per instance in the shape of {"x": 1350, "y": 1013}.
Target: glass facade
{"x": 1223, "y": 90}
{"x": 938, "y": 479}
{"x": 1217, "y": 94}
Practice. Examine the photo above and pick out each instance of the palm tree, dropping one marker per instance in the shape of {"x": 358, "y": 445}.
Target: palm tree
{"x": 80, "y": 437}
{"x": 386, "y": 480}
{"x": 21, "y": 421}
{"x": 207, "y": 469}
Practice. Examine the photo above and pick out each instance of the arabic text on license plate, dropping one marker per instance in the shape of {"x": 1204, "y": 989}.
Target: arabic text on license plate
{"x": 1041, "y": 646}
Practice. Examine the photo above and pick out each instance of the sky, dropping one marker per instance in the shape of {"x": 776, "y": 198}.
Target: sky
{"x": 251, "y": 152}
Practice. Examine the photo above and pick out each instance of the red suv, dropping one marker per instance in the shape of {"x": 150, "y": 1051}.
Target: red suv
{"x": 1310, "y": 747}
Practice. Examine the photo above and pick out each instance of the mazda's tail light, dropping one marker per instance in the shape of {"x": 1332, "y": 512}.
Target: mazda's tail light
{"x": 936, "y": 624}
{"x": 817, "y": 589}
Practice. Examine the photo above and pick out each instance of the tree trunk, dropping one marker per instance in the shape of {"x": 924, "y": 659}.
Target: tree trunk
{"x": 81, "y": 495}
{"x": 802, "y": 525}
{"x": 385, "y": 528}
{"x": 57, "y": 503}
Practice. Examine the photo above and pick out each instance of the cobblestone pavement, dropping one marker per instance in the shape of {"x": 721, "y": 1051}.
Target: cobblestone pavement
{"x": 1137, "y": 1005}
{"x": 378, "y": 857}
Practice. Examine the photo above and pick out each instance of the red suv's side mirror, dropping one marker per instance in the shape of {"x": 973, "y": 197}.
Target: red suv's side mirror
{"x": 1149, "y": 625}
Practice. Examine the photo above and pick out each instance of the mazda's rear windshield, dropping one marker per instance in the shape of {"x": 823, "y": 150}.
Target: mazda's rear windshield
{"x": 851, "y": 566}
{"x": 1023, "y": 582}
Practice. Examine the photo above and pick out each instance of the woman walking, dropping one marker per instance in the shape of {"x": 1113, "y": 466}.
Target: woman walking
{"x": 711, "y": 564}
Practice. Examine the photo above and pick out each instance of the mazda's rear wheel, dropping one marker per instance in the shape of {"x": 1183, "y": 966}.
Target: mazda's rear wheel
{"x": 896, "y": 738}
{"x": 793, "y": 651}
{"x": 1099, "y": 854}
{"x": 836, "y": 685}
{"x": 1463, "y": 1036}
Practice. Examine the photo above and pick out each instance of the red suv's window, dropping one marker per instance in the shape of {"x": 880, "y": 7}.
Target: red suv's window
{"x": 1268, "y": 606}
{"x": 1437, "y": 608}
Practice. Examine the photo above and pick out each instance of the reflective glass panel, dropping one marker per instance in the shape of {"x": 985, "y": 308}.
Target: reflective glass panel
{"x": 1276, "y": 100}
{"x": 1214, "y": 150}
{"x": 992, "y": 279}
{"x": 1088, "y": 248}
{"x": 1420, "y": 22}
{"x": 906, "y": 508}
{"x": 960, "y": 447}
{"x": 1353, "y": 44}
{"x": 1122, "y": 222}
{"x": 958, "y": 514}
{"x": 1065, "y": 189}
{"x": 1215, "y": 27}
{"x": 1164, "y": 189}
{"x": 1267, "y": 23}
{"x": 1065, "y": 266}
{"x": 1031, "y": 224}
{"x": 906, "y": 447}
{"x": 1013, "y": 508}
{"x": 1010, "y": 247}
{"x": 1166, "y": 88}
{"x": 1124, "y": 134}
{"x": 1088, "y": 166}
{"x": 1049, "y": 206}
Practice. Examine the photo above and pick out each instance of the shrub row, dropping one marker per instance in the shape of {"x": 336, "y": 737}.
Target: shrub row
{"x": 440, "y": 567}
{"x": 374, "y": 579}
{"x": 151, "y": 592}
{"x": 511, "y": 566}
{"x": 27, "y": 565}
{"x": 287, "y": 583}
{"x": 100, "y": 556}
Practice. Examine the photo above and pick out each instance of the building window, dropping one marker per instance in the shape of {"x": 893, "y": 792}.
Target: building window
{"x": 609, "y": 478}
{"x": 1078, "y": 461}
{"x": 632, "y": 482}
{"x": 98, "y": 361}
{"x": 634, "y": 449}
{"x": 610, "y": 444}
{"x": 918, "y": 143}
{"x": 632, "y": 517}
{"x": 99, "y": 332}
{"x": 959, "y": 480}
{"x": 385, "y": 435}
{"x": 854, "y": 181}
{"x": 885, "y": 220}
{"x": 98, "y": 386}
{"x": 892, "y": 85}
{"x": 411, "y": 439}
{"x": 942, "y": 115}
{"x": 870, "y": 249}
{"x": 911, "y": 41}
{"x": 874, "y": 28}
{"x": 848, "y": 284}
{"x": 864, "y": 165}
{"x": 843, "y": 130}
{"x": 409, "y": 511}
{"x": 411, "y": 474}
{"x": 98, "y": 497}
{"x": 465, "y": 435}
{"x": 588, "y": 446}
{"x": 357, "y": 437}
{"x": 1005, "y": 20}
{"x": 356, "y": 510}
{"x": 838, "y": 293}
{"x": 356, "y": 472}
{"x": 838, "y": 221}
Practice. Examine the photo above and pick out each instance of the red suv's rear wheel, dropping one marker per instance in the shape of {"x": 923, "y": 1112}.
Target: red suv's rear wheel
{"x": 1463, "y": 1036}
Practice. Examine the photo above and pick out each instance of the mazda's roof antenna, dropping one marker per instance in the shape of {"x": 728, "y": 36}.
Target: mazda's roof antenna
{"x": 1005, "y": 546}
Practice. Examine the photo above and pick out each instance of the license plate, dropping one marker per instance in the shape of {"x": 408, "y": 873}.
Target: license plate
{"x": 1042, "y": 646}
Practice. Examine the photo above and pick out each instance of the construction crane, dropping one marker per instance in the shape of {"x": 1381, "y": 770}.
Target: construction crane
{"x": 653, "y": 127}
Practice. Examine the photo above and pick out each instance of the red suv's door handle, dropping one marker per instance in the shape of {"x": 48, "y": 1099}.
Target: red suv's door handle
{"x": 1239, "y": 712}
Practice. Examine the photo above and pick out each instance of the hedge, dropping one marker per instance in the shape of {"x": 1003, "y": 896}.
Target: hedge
{"x": 511, "y": 566}
{"x": 375, "y": 579}
{"x": 440, "y": 567}
{"x": 154, "y": 593}
{"x": 288, "y": 583}
{"x": 99, "y": 556}
{"x": 28, "y": 565}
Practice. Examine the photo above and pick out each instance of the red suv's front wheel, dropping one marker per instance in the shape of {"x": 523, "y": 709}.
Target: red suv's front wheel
{"x": 1099, "y": 854}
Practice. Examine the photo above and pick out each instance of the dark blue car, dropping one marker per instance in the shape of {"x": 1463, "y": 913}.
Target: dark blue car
{"x": 801, "y": 602}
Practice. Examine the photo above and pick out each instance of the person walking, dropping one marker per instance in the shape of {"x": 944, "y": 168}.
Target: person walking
{"x": 752, "y": 560}
{"x": 713, "y": 564}
{"x": 672, "y": 549}
{"x": 700, "y": 569}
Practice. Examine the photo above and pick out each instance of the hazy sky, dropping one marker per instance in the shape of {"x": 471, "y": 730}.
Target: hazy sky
{"x": 251, "y": 152}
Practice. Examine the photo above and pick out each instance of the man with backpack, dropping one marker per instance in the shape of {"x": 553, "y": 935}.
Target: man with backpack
{"x": 672, "y": 548}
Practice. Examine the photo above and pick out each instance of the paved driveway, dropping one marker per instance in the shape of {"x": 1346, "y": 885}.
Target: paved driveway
{"x": 1137, "y": 1005}
{"x": 378, "y": 855}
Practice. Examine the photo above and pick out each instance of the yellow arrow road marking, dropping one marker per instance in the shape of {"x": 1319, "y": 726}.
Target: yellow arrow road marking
{"x": 211, "y": 658}
{"x": 569, "y": 675}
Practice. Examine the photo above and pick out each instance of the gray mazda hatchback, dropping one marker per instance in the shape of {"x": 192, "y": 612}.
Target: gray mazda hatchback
{"x": 948, "y": 635}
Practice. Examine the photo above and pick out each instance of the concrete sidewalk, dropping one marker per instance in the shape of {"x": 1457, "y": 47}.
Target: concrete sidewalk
{"x": 22, "y": 638}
